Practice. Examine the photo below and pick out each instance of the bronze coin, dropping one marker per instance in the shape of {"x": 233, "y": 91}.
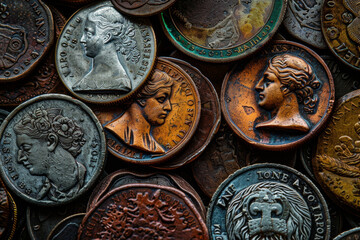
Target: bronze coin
{"x": 123, "y": 177}
{"x": 336, "y": 164}
{"x": 279, "y": 99}
{"x": 158, "y": 122}
{"x": 142, "y": 8}
{"x": 143, "y": 211}
{"x": 26, "y": 33}
{"x": 44, "y": 79}
{"x": 209, "y": 118}
{"x": 340, "y": 22}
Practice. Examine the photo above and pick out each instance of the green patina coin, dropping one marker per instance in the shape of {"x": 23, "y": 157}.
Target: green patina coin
{"x": 222, "y": 31}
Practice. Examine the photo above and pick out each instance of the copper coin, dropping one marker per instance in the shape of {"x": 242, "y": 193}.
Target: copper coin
{"x": 158, "y": 122}
{"x": 44, "y": 78}
{"x": 143, "y": 211}
{"x": 340, "y": 22}
{"x": 103, "y": 56}
{"x": 123, "y": 177}
{"x": 26, "y": 33}
{"x": 67, "y": 228}
{"x": 336, "y": 164}
{"x": 280, "y": 98}
{"x": 302, "y": 21}
{"x": 142, "y": 8}
{"x": 53, "y": 150}
{"x": 4, "y": 209}
{"x": 209, "y": 118}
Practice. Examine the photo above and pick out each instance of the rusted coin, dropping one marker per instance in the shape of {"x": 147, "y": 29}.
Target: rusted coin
{"x": 302, "y": 20}
{"x": 280, "y": 98}
{"x": 158, "y": 122}
{"x": 222, "y": 31}
{"x": 67, "y": 228}
{"x": 142, "y": 8}
{"x": 335, "y": 164}
{"x": 143, "y": 211}
{"x": 44, "y": 78}
{"x": 41, "y": 221}
{"x": 268, "y": 201}
{"x": 26, "y": 33}
{"x": 209, "y": 118}
{"x": 226, "y": 154}
{"x": 103, "y": 56}
{"x": 123, "y": 177}
{"x": 351, "y": 234}
{"x": 340, "y": 24}
{"x": 53, "y": 150}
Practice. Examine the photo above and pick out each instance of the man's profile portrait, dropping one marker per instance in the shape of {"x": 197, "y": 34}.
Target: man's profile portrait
{"x": 287, "y": 88}
{"x": 48, "y": 145}
{"x": 150, "y": 108}
{"x": 108, "y": 39}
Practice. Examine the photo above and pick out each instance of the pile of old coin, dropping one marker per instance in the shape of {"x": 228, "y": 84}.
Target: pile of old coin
{"x": 165, "y": 119}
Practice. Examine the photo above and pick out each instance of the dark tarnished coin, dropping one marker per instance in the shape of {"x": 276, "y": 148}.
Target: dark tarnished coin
{"x": 103, "y": 56}
{"x": 67, "y": 229}
{"x": 209, "y": 118}
{"x": 143, "y": 211}
{"x": 268, "y": 201}
{"x": 222, "y": 31}
{"x": 12, "y": 216}
{"x": 352, "y": 234}
{"x": 340, "y": 22}
{"x": 26, "y": 33}
{"x": 336, "y": 163}
{"x": 302, "y": 20}
{"x": 158, "y": 122}
{"x": 142, "y": 8}
{"x": 280, "y": 98}
{"x": 44, "y": 78}
{"x": 4, "y": 209}
{"x": 53, "y": 149}
{"x": 123, "y": 177}
{"x": 41, "y": 221}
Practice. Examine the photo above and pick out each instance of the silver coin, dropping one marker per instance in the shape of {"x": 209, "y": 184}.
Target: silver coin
{"x": 53, "y": 149}
{"x": 268, "y": 201}
{"x": 302, "y": 20}
{"x": 351, "y": 234}
{"x": 103, "y": 56}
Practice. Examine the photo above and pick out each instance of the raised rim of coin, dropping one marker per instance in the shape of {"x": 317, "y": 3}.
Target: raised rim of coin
{"x": 23, "y": 193}
{"x": 342, "y": 236}
{"x": 62, "y": 222}
{"x": 143, "y": 9}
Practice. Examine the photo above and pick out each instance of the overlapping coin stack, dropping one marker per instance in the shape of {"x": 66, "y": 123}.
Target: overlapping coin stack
{"x": 165, "y": 119}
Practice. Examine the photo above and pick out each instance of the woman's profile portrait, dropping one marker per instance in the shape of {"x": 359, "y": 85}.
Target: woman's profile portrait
{"x": 288, "y": 88}
{"x": 48, "y": 145}
{"x": 108, "y": 40}
{"x": 151, "y": 107}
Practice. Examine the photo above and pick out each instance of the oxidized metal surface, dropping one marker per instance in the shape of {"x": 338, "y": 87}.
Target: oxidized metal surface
{"x": 226, "y": 154}
{"x": 340, "y": 24}
{"x": 222, "y": 31}
{"x": 352, "y": 234}
{"x": 268, "y": 201}
{"x": 67, "y": 228}
{"x": 143, "y": 211}
{"x": 142, "y": 8}
{"x": 336, "y": 164}
{"x": 103, "y": 56}
{"x": 4, "y": 210}
{"x": 53, "y": 149}
{"x": 26, "y": 33}
{"x": 302, "y": 20}
{"x": 41, "y": 221}
{"x": 158, "y": 122}
{"x": 43, "y": 79}
{"x": 209, "y": 118}
{"x": 123, "y": 177}
{"x": 280, "y": 98}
